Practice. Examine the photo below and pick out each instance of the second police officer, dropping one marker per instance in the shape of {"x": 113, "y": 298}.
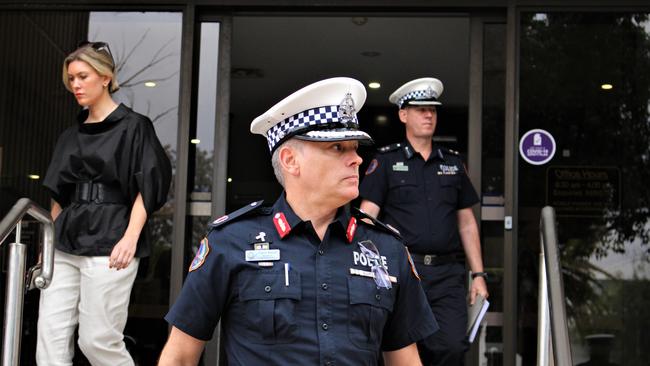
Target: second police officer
{"x": 423, "y": 190}
{"x": 304, "y": 282}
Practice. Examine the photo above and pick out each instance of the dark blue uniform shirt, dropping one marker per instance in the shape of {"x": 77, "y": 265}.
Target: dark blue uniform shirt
{"x": 320, "y": 311}
{"x": 420, "y": 198}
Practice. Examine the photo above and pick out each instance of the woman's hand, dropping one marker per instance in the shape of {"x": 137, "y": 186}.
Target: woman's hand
{"x": 123, "y": 252}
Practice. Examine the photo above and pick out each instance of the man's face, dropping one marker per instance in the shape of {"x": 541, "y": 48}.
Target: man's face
{"x": 331, "y": 170}
{"x": 420, "y": 121}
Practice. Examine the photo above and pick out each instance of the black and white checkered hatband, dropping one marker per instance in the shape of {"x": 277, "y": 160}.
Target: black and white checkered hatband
{"x": 313, "y": 121}
{"x": 427, "y": 94}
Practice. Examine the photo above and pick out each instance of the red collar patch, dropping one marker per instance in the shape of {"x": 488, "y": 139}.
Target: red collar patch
{"x": 352, "y": 228}
{"x": 281, "y": 224}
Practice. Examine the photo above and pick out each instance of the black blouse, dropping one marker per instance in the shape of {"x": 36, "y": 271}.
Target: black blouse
{"x": 122, "y": 153}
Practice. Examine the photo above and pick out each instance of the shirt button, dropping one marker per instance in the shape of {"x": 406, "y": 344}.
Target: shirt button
{"x": 321, "y": 251}
{"x": 378, "y": 297}
{"x": 324, "y": 286}
{"x": 267, "y": 289}
{"x": 328, "y": 363}
{"x": 325, "y": 326}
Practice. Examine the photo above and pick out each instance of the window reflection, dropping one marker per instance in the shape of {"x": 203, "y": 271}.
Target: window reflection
{"x": 603, "y": 220}
{"x": 146, "y": 47}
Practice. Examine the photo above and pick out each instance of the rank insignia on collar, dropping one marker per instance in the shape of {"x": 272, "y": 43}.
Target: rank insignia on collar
{"x": 352, "y": 228}
{"x": 201, "y": 254}
{"x": 281, "y": 224}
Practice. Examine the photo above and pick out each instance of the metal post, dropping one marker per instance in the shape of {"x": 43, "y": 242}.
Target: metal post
{"x": 14, "y": 305}
{"x": 561, "y": 348}
{"x": 13, "y": 319}
{"x": 543, "y": 330}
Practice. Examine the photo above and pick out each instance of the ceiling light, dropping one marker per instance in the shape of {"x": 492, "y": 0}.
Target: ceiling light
{"x": 359, "y": 20}
{"x": 229, "y": 180}
{"x": 374, "y": 85}
{"x": 34, "y": 176}
{"x": 607, "y": 86}
{"x": 381, "y": 120}
{"x": 195, "y": 141}
{"x": 150, "y": 84}
{"x": 370, "y": 53}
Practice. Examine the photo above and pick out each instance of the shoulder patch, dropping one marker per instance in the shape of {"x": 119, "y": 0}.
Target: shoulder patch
{"x": 252, "y": 207}
{"x": 378, "y": 224}
{"x": 201, "y": 254}
{"x": 413, "y": 270}
{"x": 391, "y": 147}
{"x": 372, "y": 167}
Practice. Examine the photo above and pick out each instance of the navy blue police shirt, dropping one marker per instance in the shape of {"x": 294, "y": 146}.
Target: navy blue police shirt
{"x": 420, "y": 198}
{"x": 286, "y": 298}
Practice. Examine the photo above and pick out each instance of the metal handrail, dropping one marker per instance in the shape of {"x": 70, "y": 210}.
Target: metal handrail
{"x": 551, "y": 312}
{"x": 13, "y": 319}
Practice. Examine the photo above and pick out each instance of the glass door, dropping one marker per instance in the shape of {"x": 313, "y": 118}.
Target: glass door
{"x": 585, "y": 80}
{"x": 486, "y": 169}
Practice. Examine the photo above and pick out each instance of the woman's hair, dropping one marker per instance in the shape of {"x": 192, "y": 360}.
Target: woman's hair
{"x": 98, "y": 56}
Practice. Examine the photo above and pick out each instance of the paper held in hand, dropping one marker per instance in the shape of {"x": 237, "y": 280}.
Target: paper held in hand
{"x": 475, "y": 314}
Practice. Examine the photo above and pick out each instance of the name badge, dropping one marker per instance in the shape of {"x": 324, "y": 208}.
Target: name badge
{"x": 400, "y": 167}
{"x": 262, "y": 255}
{"x": 362, "y": 273}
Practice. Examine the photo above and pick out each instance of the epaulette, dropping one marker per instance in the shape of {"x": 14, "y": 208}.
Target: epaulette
{"x": 391, "y": 147}
{"x": 449, "y": 151}
{"x": 252, "y": 207}
{"x": 358, "y": 213}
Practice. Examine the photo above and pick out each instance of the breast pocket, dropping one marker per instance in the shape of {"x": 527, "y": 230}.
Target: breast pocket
{"x": 403, "y": 187}
{"x": 449, "y": 187}
{"x": 368, "y": 311}
{"x": 270, "y": 305}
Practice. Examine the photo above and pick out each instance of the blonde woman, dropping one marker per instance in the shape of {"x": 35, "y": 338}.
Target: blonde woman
{"x": 107, "y": 175}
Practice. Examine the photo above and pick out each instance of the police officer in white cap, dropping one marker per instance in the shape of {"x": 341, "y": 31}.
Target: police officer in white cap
{"x": 304, "y": 282}
{"x": 423, "y": 190}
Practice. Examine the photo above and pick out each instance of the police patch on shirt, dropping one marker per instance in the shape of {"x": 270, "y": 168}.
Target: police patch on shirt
{"x": 201, "y": 254}
{"x": 448, "y": 169}
{"x": 372, "y": 167}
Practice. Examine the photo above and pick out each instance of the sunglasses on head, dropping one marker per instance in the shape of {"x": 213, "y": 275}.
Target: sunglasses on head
{"x": 380, "y": 273}
{"x": 97, "y": 46}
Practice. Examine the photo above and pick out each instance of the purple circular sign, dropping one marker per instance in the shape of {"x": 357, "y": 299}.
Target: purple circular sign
{"x": 537, "y": 147}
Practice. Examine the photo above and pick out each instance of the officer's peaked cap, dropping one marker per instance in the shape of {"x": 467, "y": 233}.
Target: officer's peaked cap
{"x": 322, "y": 111}
{"x": 418, "y": 92}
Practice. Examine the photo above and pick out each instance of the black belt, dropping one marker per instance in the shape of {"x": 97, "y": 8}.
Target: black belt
{"x": 97, "y": 192}
{"x": 435, "y": 259}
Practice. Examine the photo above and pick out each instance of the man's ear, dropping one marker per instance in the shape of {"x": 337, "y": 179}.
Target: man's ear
{"x": 402, "y": 115}
{"x": 289, "y": 157}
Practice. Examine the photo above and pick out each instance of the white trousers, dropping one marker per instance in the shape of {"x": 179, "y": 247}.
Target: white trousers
{"x": 86, "y": 292}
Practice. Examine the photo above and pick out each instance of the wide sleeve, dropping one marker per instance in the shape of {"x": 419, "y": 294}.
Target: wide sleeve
{"x": 374, "y": 185}
{"x": 412, "y": 319}
{"x": 151, "y": 168}
{"x": 57, "y": 177}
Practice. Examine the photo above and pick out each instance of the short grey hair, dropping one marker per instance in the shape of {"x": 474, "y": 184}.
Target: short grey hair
{"x": 275, "y": 158}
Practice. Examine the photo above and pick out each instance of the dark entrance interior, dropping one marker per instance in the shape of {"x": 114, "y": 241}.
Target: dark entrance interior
{"x": 275, "y": 56}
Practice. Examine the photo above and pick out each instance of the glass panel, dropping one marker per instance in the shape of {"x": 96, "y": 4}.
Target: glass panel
{"x": 202, "y": 141}
{"x": 35, "y": 108}
{"x": 585, "y": 78}
{"x": 146, "y": 47}
{"x": 492, "y": 170}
